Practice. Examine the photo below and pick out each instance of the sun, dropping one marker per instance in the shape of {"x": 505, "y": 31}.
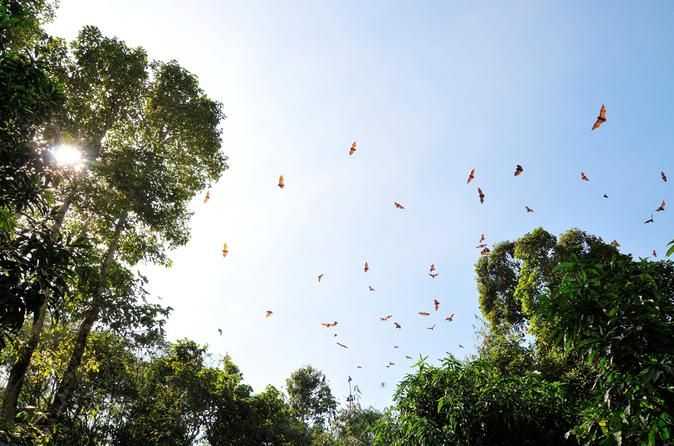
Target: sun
{"x": 67, "y": 156}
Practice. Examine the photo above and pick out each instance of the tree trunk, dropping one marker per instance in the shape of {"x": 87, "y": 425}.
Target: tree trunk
{"x": 66, "y": 387}
{"x": 20, "y": 367}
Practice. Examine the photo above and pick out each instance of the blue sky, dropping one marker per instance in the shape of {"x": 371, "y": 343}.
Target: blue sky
{"x": 428, "y": 90}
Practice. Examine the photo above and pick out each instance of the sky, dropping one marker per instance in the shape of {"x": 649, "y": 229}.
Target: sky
{"x": 428, "y": 90}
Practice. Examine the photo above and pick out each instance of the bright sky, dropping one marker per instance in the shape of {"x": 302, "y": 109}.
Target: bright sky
{"x": 429, "y": 90}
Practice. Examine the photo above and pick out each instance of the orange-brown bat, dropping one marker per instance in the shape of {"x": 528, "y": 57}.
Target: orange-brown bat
{"x": 584, "y": 177}
{"x": 529, "y": 210}
{"x": 450, "y": 318}
{"x": 432, "y": 268}
{"x": 650, "y": 220}
{"x": 423, "y": 313}
{"x": 225, "y": 250}
{"x": 436, "y": 304}
{"x": 281, "y": 182}
{"x": 601, "y": 118}
{"x": 519, "y": 170}
{"x": 398, "y": 205}
{"x": 397, "y": 325}
{"x": 207, "y": 197}
{"x": 662, "y": 206}
{"x": 485, "y": 251}
{"x": 366, "y": 267}
{"x": 342, "y": 345}
{"x": 480, "y": 194}
{"x": 329, "y": 324}
{"x": 268, "y": 314}
{"x": 471, "y": 176}
{"x": 352, "y": 149}
{"x": 387, "y": 317}
{"x": 663, "y": 176}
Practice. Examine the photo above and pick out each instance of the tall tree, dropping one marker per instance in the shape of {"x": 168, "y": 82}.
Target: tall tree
{"x": 310, "y": 396}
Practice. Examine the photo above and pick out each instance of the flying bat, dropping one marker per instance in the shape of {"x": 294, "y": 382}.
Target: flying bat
{"x": 408, "y": 357}
{"x": 480, "y": 194}
{"x": 366, "y": 267}
{"x": 391, "y": 363}
{"x": 655, "y": 254}
{"x": 342, "y": 345}
{"x": 359, "y": 366}
{"x": 450, "y": 318}
{"x": 395, "y": 346}
{"x": 387, "y": 317}
{"x": 432, "y": 268}
{"x": 268, "y": 314}
{"x": 220, "y": 331}
{"x": 650, "y": 220}
{"x": 225, "y": 250}
{"x": 371, "y": 288}
{"x": 423, "y": 313}
{"x": 432, "y": 327}
{"x": 436, "y": 304}
{"x": 398, "y": 205}
{"x": 481, "y": 245}
{"x": 663, "y": 176}
{"x": 397, "y": 325}
{"x": 519, "y": 170}
{"x": 329, "y": 324}
{"x": 207, "y": 197}
{"x": 482, "y": 239}
{"x": 320, "y": 277}
{"x": 584, "y": 177}
{"x": 433, "y": 275}
{"x": 352, "y": 149}
{"x": 601, "y": 118}
{"x": 281, "y": 182}
{"x": 605, "y": 196}
{"x": 460, "y": 346}
{"x": 471, "y": 176}
{"x": 528, "y": 209}
{"x": 662, "y": 206}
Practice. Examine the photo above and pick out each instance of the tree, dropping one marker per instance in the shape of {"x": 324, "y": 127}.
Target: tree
{"x": 310, "y": 396}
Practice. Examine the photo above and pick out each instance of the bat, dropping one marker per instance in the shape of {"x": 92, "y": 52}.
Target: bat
{"x": 480, "y": 194}
{"x": 460, "y": 346}
{"x": 371, "y": 288}
{"x": 342, "y": 345}
{"x": 398, "y": 205}
{"x": 655, "y": 254}
{"x": 397, "y": 325}
{"x": 432, "y": 327}
{"x": 395, "y": 346}
{"x": 320, "y": 277}
{"x": 207, "y": 197}
{"x": 408, "y": 357}
{"x": 482, "y": 238}
{"x": 353, "y": 148}
{"x": 450, "y": 318}
{"x": 391, "y": 363}
{"x": 387, "y": 317}
{"x": 605, "y": 196}
{"x": 359, "y": 366}
{"x": 329, "y": 324}
{"x": 383, "y": 384}
{"x": 436, "y": 304}
{"x": 471, "y": 176}
{"x": 268, "y": 314}
{"x": 485, "y": 251}
{"x": 529, "y": 210}
{"x": 349, "y": 379}
{"x": 433, "y": 275}
{"x": 662, "y": 206}
{"x": 281, "y": 182}
{"x": 584, "y": 177}
{"x": 366, "y": 267}
{"x": 519, "y": 170}
{"x": 663, "y": 176}
{"x": 424, "y": 313}
{"x": 650, "y": 220}
{"x": 225, "y": 250}
{"x": 432, "y": 268}
{"x": 220, "y": 331}
{"x": 334, "y": 335}
{"x": 481, "y": 245}
{"x": 601, "y": 118}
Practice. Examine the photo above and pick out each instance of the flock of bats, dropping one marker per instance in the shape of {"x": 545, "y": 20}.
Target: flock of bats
{"x": 432, "y": 270}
